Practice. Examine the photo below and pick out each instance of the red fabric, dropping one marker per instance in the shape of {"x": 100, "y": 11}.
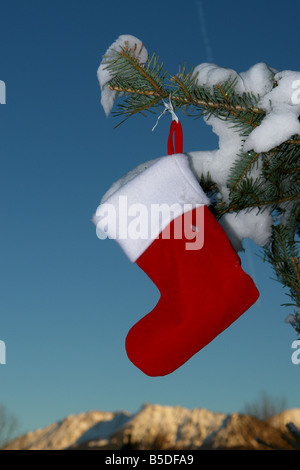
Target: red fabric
{"x": 175, "y": 129}
{"x": 202, "y": 293}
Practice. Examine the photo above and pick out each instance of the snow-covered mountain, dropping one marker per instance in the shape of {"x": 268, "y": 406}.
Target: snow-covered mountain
{"x": 158, "y": 427}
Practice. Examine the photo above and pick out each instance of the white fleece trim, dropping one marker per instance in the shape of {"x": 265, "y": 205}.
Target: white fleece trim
{"x": 129, "y": 215}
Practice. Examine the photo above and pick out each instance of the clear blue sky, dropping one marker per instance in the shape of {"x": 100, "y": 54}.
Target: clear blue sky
{"x": 67, "y": 299}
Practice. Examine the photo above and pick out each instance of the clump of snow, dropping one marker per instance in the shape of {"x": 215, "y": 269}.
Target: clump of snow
{"x": 218, "y": 163}
{"x": 275, "y": 129}
{"x": 104, "y": 75}
{"x": 290, "y": 319}
{"x": 293, "y": 319}
{"x": 252, "y": 224}
{"x": 257, "y": 80}
{"x": 209, "y": 75}
{"x": 282, "y": 105}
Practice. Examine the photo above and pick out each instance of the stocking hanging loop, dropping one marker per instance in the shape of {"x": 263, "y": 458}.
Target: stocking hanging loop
{"x": 175, "y": 129}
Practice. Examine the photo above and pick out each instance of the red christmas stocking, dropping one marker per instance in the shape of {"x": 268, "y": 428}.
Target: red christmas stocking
{"x": 161, "y": 220}
{"x": 202, "y": 292}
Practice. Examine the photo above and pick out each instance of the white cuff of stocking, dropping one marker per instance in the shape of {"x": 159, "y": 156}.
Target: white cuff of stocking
{"x": 136, "y": 213}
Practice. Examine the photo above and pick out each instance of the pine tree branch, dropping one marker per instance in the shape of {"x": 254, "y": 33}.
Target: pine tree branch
{"x": 295, "y": 262}
{"x": 240, "y": 168}
{"x": 250, "y": 121}
{"x": 140, "y": 68}
{"x": 291, "y": 170}
{"x": 138, "y": 92}
{"x": 222, "y": 106}
{"x": 276, "y": 184}
{"x": 282, "y": 255}
{"x": 192, "y": 101}
{"x": 258, "y": 203}
{"x": 176, "y": 79}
